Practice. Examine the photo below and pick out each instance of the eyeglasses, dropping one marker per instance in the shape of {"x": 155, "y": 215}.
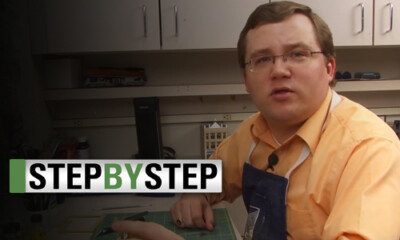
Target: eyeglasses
{"x": 264, "y": 63}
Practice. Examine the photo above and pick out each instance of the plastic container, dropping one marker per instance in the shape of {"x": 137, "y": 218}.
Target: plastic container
{"x": 12, "y": 231}
{"x": 83, "y": 148}
{"x": 37, "y": 229}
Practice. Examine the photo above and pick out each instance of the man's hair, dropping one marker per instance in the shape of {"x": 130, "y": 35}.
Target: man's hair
{"x": 278, "y": 11}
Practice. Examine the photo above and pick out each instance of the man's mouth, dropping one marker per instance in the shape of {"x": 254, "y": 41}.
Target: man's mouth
{"x": 281, "y": 91}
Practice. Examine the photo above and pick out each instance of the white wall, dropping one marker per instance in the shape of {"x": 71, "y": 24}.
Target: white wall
{"x": 24, "y": 112}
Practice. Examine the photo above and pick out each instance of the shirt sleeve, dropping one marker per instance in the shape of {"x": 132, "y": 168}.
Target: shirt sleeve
{"x": 366, "y": 204}
{"x": 231, "y": 172}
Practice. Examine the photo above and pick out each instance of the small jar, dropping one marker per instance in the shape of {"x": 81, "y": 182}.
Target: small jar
{"x": 12, "y": 231}
{"x": 83, "y": 148}
{"x": 38, "y": 231}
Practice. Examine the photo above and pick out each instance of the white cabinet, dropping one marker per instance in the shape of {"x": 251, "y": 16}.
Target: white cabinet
{"x": 351, "y": 21}
{"x": 129, "y": 25}
{"x": 387, "y": 22}
{"x": 102, "y": 25}
{"x": 193, "y": 24}
{"x": 360, "y": 22}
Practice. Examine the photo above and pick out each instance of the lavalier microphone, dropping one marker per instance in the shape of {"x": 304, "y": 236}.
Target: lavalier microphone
{"x": 272, "y": 161}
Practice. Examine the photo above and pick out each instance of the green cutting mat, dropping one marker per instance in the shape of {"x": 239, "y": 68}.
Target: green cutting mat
{"x": 223, "y": 229}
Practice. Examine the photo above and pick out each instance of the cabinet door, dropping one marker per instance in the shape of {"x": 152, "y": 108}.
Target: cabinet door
{"x": 349, "y": 20}
{"x": 102, "y": 25}
{"x": 387, "y": 22}
{"x": 194, "y": 24}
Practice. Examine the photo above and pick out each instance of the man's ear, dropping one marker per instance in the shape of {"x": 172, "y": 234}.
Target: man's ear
{"x": 331, "y": 68}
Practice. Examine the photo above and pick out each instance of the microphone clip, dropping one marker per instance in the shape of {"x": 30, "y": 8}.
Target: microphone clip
{"x": 272, "y": 161}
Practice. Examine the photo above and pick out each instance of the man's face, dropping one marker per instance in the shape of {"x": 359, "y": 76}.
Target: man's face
{"x": 287, "y": 93}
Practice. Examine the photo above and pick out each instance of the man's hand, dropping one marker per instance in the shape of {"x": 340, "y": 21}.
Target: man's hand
{"x": 193, "y": 211}
{"x": 144, "y": 230}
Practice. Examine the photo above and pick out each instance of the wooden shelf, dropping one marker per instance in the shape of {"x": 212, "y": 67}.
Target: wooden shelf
{"x": 367, "y": 85}
{"x": 390, "y": 113}
{"x": 145, "y": 91}
{"x": 198, "y": 90}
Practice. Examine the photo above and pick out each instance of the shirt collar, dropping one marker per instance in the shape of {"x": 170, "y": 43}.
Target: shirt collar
{"x": 309, "y": 131}
{"x": 260, "y": 131}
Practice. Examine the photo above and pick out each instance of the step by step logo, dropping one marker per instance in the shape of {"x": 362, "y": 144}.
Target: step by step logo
{"x": 115, "y": 176}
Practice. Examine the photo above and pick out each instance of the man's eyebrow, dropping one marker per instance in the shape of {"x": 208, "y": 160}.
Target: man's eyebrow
{"x": 287, "y": 47}
{"x": 296, "y": 45}
{"x": 264, "y": 51}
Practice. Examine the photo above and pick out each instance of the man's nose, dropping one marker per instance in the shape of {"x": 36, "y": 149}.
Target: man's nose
{"x": 280, "y": 67}
{"x": 282, "y": 57}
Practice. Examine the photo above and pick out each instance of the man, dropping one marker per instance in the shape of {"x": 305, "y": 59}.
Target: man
{"x": 334, "y": 167}
{"x": 311, "y": 164}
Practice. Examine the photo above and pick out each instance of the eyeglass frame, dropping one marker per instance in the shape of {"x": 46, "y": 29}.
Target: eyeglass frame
{"x": 284, "y": 56}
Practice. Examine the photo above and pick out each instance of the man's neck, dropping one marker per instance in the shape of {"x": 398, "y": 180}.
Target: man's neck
{"x": 282, "y": 133}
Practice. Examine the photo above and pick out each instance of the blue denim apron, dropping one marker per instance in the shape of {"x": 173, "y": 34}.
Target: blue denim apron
{"x": 264, "y": 195}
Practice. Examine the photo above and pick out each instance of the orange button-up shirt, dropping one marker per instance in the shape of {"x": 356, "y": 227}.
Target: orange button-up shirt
{"x": 347, "y": 188}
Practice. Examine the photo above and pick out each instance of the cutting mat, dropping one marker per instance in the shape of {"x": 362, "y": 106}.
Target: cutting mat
{"x": 223, "y": 229}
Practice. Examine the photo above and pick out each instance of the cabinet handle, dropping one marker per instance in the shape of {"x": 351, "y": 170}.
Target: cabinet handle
{"x": 362, "y": 18}
{"x": 144, "y": 11}
{"x": 391, "y": 17}
{"x": 176, "y": 20}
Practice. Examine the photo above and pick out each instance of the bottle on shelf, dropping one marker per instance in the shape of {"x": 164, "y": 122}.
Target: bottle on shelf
{"x": 83, "y": 148}
{"x": 12, "y": 231}
{"x": 37, "y": 231}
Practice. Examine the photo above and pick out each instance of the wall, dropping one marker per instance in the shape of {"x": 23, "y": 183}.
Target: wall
{"x": 25, "y": 122}
{"x": 21, "y": 92}
{"x": 385, "y": 60}
{"x": 162, "y": 69}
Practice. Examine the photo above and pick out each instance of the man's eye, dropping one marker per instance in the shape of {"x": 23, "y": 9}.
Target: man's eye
{"x": 298, "y": 54}
{"x": 263, "y": 59}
